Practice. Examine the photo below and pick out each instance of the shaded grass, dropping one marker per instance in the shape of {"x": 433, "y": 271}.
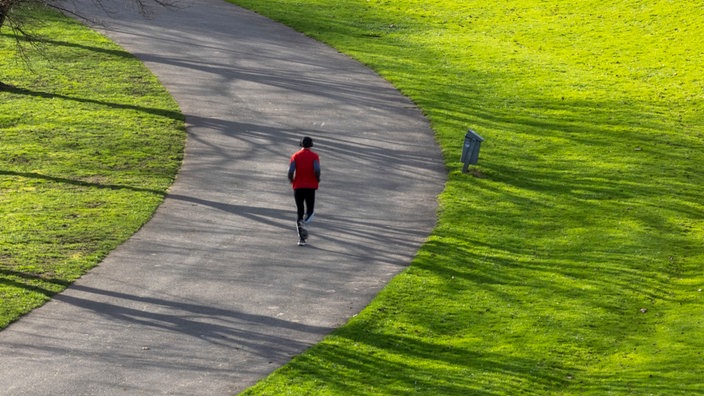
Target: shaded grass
{"x": 572, "y": 261}
{"x": 90, "y": 143}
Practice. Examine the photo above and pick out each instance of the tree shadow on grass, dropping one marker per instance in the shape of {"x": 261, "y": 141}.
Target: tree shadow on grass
{"x": 406, "y": 364}
{"x": 31, "y": 282}
{"x": 174, "y": 115}
{"x": 80, "y": 183}
{"x": 44, "y": 41}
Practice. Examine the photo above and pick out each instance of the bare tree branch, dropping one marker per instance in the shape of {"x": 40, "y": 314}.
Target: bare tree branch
{"x": 7, "y": 7}
{"x": 13, "y": 17}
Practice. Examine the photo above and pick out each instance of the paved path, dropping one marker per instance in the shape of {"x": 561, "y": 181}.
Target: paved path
{"x": 213, "y": 293}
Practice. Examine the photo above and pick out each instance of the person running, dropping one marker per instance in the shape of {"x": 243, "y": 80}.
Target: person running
{"x": 304, "y": 175}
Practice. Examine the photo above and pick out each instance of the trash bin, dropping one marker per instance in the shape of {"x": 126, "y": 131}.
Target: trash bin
{"x": 470, "y": 151}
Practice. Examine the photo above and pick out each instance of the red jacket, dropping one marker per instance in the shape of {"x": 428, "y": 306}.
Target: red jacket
{"x": 304, "y": 169}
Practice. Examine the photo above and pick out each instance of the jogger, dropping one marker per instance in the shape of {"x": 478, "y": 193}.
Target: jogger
{"x": 304, "y": 175}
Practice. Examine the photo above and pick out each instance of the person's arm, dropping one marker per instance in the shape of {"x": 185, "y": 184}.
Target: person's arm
{"x": 316, "y": 168}
{"x": 291, "y": 170}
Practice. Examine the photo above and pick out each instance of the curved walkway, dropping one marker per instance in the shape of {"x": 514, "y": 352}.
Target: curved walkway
{"x": 213, "y": 293}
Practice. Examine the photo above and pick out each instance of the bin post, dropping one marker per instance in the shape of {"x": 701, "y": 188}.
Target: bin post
{"x": 470, "y": 150}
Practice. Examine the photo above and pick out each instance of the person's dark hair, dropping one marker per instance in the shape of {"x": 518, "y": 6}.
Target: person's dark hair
{"x": 306, "y": 142}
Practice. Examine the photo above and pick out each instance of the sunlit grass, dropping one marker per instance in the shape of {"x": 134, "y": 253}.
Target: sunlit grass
{"x": 571, "y": 259}
{"x": 90, "y": 142}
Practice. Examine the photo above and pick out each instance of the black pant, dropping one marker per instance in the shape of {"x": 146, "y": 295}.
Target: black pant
{"x": 304, "y": 196}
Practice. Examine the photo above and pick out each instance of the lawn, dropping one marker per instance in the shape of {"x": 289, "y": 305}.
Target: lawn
{"x": 90, "y": 141}
{"x": 570, "y": 260}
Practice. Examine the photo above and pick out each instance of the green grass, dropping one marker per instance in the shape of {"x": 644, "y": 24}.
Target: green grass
{"x": 571, "y": 259}
{"x": 90, "y": 141}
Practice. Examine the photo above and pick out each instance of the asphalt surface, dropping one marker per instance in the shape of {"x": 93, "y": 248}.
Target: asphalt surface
{"x": 213, "y": 293}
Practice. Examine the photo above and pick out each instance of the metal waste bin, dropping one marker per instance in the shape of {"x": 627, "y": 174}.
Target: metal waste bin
{"x": 470, "y": 151}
